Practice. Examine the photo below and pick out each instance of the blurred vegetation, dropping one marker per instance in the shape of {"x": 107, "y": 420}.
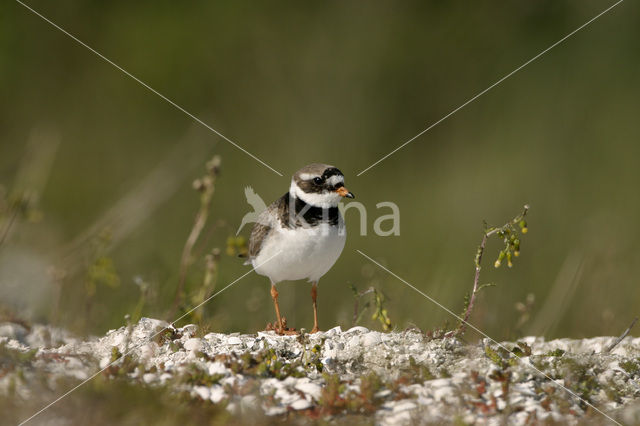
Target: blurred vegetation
{"x": 105, "y": 401}
{"x": 338, "y": 82}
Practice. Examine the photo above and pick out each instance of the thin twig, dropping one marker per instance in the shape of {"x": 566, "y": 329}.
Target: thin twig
{"x": 622, "y": 336}
{"x": 476, "y": 280}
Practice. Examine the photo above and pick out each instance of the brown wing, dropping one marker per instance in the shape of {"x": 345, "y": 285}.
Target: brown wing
{"x": 275, "y": 212}
{"x": 258, "y": 234}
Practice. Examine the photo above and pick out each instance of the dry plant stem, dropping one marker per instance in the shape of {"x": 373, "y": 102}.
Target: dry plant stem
{"x": 207, "y": 188}
{"x": 622, "y": 336}
{"x": 208, "y": 284}
{"x": 185, "y": 260}
{"x": 474, "y": 292}
{"x": 211, "y": 229}
{"x": 476, "y": 280}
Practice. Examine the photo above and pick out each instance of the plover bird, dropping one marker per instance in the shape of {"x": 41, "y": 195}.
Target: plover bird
{"x": 301, "y": 234}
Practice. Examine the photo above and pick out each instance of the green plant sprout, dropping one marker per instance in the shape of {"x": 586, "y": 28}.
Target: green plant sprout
{"x": 509, "y": 233}
{"x": 380, "y": 313}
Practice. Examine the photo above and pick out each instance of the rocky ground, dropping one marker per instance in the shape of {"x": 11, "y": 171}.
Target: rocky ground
{"x": 357, "y": 374}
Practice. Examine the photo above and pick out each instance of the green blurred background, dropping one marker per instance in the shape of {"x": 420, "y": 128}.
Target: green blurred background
{"x": 341, "y": 82}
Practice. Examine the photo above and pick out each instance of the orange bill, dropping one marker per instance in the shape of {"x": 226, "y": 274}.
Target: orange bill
{"x": 344, "y": 192}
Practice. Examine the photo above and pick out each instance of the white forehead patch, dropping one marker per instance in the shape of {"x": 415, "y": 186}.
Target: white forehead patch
{"x": 335, "y": 179}
{"x": 308, "y": 176}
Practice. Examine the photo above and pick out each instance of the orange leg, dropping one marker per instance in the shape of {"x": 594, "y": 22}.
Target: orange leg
{"x": 274, "y": 296}
{"x": 314, "y": 295}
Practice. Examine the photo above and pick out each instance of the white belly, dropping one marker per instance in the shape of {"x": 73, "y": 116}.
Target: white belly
{"x": 303, "y": 253}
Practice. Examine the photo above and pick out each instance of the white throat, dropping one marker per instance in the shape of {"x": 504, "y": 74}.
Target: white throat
{"x": 324, "y": 200}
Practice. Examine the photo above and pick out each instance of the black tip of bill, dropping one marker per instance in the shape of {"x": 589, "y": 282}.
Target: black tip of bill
{"x": 350, "y": 195}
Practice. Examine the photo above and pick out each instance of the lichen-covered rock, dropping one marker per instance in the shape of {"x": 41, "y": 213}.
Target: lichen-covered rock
{"x": 394, "y": 378}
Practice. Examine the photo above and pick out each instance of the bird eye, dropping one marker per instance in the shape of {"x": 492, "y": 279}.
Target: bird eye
{"x": 317, "y": 181}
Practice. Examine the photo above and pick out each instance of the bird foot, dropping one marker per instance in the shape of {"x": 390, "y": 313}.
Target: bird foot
{"x": 314, "y": 330}
{"x": 285, "y": 331}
